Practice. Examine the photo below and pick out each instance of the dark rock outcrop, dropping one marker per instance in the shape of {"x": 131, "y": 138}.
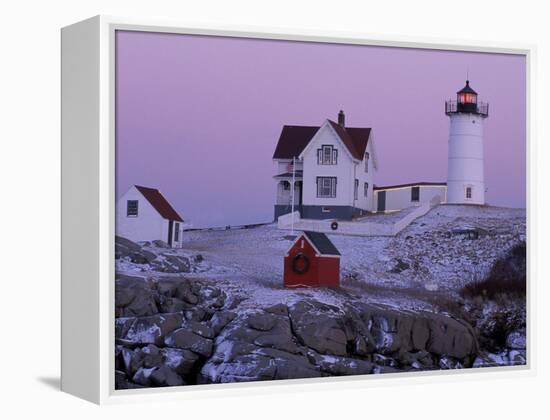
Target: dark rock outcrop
{"x": 134, "y": 297}
{"x": 156, "y": 255}
{"x": 176, "y": 331}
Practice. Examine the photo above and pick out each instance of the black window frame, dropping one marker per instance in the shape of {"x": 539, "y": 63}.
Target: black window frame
{"x": 333, "y": 155}
{"x": 415, "y": 194}
{"x": 131, "y": 213}
{"x": 333, "y": 186}
{"x": 176, "y": 232}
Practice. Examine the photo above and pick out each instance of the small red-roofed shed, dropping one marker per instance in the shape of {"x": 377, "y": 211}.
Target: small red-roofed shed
{"x": 312, "y": 261}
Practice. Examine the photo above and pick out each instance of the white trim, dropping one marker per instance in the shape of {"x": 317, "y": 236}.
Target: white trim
{"x": 327, "y": 256}
{"x": 302, "y": 235}
{"x": 334, "y": 133}
{"x": 317, "y": 252}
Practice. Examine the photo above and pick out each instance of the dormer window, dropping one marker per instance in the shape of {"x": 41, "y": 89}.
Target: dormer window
{"x": 327, "y": 155}
{"x": 367, "y": 156}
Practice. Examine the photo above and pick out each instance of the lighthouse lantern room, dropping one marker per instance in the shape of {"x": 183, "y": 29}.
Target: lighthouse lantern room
{"x": 465, "y": 177}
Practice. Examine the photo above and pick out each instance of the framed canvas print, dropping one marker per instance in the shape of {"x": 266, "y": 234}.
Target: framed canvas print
{"x": 244, "y": 208}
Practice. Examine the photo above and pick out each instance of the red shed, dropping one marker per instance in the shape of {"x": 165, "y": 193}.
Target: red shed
{"x": 312, "y": 261}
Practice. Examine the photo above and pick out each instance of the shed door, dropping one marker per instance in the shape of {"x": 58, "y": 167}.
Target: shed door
{"x": 381, "y": 201}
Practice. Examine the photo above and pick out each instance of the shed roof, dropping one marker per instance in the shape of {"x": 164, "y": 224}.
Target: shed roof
{"x": 161, "y": 205}
{"x": 321, "y": 242}
{"x": 294, "y": 139}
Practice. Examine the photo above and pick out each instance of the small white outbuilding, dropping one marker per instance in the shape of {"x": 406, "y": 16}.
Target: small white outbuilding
{"x": 143, "y": 214}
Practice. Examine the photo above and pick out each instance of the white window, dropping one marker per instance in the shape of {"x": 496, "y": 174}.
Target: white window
{"x": 367, "y": 156}
{"x": 327, "y": 155}
{"x": 326, "y": 187}
{"x": 356, "y": 190}
{"x": 366, "y": 189}
{"x": 468, "y": 193}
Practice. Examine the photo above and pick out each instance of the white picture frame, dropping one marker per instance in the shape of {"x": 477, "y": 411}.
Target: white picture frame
{"x": 88, "y": 208}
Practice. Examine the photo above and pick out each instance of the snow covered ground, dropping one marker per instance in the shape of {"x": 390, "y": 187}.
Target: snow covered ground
{"x": 408, "y": 271}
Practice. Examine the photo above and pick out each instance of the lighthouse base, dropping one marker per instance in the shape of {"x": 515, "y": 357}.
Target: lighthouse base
{"x": 465, "y": 192}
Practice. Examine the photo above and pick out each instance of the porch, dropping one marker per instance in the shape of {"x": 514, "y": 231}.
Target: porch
{"x": 286, "y": 183}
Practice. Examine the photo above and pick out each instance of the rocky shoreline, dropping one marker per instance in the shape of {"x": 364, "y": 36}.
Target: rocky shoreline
{"x": 183, "y": 331}
{"x": 205, "y": 315}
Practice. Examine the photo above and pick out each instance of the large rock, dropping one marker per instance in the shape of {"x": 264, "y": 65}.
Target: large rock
{"x": 319, "y": 326}
{"x": 220, "y": 319}
{"x": 236, "y": 361}
{"x": 184, "y": 338}
{"x": 133, "y": 297}
{"x": 157, "y": 376}
{"x": 450, "y": 337}
{"x": 384, "y": 330}
{"x": 147, "y": 357}
{"x": 182, "y": 361}
{"x": 124, "y": 247}
{"x": 169, "y": 263}
{"x": 340, "y": 366}
{"x": 262, "y": 321}
{"x": 147, "y": 330}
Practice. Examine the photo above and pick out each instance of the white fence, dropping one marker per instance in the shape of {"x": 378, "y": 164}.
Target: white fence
{"x": 360, "y": 228}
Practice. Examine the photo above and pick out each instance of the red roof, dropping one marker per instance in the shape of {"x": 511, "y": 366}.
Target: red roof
{"x": 294, "y": 139}
{"x": 160, "y": 203}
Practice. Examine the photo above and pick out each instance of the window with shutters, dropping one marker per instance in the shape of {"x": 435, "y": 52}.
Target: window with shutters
{"x": 327, "y": 155}
{"x": 326, "y": 187}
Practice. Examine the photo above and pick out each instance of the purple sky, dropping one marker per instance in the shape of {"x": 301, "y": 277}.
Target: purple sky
{"x": 199, "y": 117}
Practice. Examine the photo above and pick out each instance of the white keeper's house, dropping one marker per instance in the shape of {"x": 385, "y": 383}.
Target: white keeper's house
{"x": 144, "y": 214}
{"x": 332, "y": 168}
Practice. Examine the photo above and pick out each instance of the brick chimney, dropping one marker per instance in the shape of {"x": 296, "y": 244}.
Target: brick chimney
{"x": 341, "y": 119}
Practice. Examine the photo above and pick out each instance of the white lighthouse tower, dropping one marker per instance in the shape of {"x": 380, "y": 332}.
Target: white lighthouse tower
{"x": 465, "y": 179}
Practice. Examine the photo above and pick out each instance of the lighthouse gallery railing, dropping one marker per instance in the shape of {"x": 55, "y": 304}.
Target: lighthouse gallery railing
{"x": 481, "y": 108}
